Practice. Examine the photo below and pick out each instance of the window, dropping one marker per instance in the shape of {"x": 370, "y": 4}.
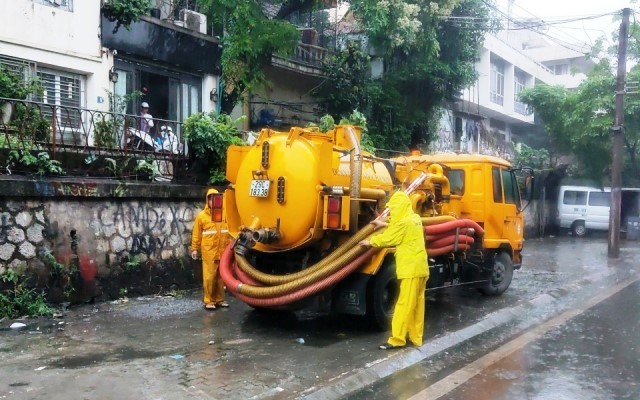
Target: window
{"x": 66, "y": 91}
{"x": 497, "y": 185}
{"x": 575, "y": 198}
{"x": 511, "y": 193}
{"x": 66, "y": 5}
{"x": 456, "y": 181}
{"x": 520, "y": 82}
{"x": 497, "y": 82}
{"x": 561, "y": 69}
{"x": 190, "y": 100}
{"x": 599, "y": 199}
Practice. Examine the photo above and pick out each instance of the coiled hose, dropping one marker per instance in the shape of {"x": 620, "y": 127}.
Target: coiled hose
{"x": 444, "y": 235}
{"x": 315, "y": 287}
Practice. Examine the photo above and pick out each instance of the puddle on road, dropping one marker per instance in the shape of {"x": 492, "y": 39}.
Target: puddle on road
{"x": 116, "y": 355}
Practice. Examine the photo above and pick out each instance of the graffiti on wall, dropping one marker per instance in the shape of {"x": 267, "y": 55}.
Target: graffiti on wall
{"x": 79, "y": 189}
{"x": 145, "y": 228}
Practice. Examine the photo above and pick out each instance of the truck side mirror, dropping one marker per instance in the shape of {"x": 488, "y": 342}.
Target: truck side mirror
{"x": 529, "y": 184}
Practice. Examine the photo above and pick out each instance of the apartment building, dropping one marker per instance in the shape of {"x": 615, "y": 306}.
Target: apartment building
{"x": 488, "y": 117}
{"x": 83, "y": 62}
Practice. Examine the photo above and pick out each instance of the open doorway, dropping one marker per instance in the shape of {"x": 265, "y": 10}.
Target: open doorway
{"x": 155, "y": 90}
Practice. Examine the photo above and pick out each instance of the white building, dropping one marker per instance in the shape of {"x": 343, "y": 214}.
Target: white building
{"x": 73, "y": 50}
{"x": 488, "y": 117}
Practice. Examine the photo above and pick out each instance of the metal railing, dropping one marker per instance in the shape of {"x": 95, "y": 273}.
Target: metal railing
{"x": 63, "y": 131}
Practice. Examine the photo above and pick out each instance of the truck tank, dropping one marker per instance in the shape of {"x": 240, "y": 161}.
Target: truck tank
{"x": 279, "y": 185}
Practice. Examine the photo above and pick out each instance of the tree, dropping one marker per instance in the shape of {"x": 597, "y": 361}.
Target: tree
{"x": 249, "y": 39}
{"x": 579, "y": 122}
{"x": 429, "y": 53}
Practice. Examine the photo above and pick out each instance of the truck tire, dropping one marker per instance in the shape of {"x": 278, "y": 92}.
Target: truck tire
{"x": 579, "y": 229}
{"x": 383, "y": 293}
{"x": 500, "y": 275}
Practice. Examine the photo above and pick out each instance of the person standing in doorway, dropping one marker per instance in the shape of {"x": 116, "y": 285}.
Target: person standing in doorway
{"x": 211, "y": 238}
{"x": 404, "y": 232}
{"x": 146, "y": 119}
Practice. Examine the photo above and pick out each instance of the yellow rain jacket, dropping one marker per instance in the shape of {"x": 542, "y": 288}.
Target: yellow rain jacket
{"x": 406, "y": 235}
{"x": 211, "y": 238}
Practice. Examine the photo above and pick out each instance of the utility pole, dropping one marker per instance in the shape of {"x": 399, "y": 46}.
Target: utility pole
{"x": 618, "y": 140}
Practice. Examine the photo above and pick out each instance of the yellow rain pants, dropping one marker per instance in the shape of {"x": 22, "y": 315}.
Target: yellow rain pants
{"x": 408, "y": 315}
{"x": 406, "y": 235}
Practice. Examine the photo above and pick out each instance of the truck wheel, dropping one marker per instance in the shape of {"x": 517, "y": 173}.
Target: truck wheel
{"x": 500, "y": 277}
{"x": 382, "y": 297}
{"x": 579, "y": 229}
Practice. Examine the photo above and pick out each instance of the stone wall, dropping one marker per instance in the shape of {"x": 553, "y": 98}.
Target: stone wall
{"x": 83, "y": 239}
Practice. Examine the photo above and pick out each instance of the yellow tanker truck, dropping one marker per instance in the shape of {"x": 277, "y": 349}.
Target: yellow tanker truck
{"x": 299, "y": 202}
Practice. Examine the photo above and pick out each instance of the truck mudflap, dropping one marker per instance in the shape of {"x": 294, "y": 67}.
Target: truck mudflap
{"x": 350, "y": 295}
{"x": 517, "y": 259}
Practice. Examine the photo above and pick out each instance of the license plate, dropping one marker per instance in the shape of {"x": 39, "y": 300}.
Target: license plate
{"x": 259, "y": 188}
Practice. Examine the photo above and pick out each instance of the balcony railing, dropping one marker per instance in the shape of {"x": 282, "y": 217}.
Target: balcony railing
{"x": 310, "y": 54}
{"x": 69, "y": 133}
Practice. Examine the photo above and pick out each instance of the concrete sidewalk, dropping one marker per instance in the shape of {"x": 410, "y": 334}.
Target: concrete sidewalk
{"x": 170, "y": 348}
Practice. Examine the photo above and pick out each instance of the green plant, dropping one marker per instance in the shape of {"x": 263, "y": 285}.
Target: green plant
{"x": 14, "y": 86}
{"x": 125, "y": 12}
{"x": 104, "y": 133}
{"x": 358, "y": 119}
{"x": 147, "y": 167}
{"x": 115, "y": 168}
{"x": 132, "y": 263}
{"x": 122, "y": 292}
{"x": 249, "y": 39}
{"x": 120, "y": 190}
{"x": 14, "y": 142}
{"x": 327, "y": 123}
{"x": 30, "y": 123}
{"x": 55, "y": 266}
{"x": 40, "y": 165}
{"x": 209, "y": 136}
{"x": 17, "y": 300}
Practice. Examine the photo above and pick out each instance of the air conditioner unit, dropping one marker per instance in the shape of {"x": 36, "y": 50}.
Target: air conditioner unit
{"x": 194, "y": 20}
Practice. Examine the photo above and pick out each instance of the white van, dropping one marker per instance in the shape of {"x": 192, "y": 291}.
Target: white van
{"x": 581, "y": 208}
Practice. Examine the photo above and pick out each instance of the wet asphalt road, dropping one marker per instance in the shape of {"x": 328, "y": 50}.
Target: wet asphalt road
{"x": 169, "y": 348}
{"x": 593, "y": 355}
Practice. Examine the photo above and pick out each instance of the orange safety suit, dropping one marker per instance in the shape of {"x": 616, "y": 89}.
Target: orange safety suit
{"x": 211, "y": 238}
{"x": 405, "y": 233}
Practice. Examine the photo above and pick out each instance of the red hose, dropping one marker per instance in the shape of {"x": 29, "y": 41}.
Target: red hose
{"x": 444, "y": 250}
{"x": 431, "y": 238}
{"x": 233, "y": 284}
{"x": 447, "y": 226}
{"x": 447, "y": 240}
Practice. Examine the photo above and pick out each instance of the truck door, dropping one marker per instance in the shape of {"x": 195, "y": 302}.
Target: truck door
{"x": 507, "y": 222}
{"x": 513, "y": 220}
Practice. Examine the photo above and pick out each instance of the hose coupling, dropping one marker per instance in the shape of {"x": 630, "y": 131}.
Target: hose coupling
{"x": 244, "y": 243}
{"x": 265, "y": 235}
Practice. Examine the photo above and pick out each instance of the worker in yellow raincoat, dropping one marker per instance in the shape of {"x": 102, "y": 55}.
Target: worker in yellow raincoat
{"x": 211, "y": 238}
{"x": 404, "y": 232}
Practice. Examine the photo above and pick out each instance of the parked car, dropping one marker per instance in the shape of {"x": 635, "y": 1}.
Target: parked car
{"x": 584, "y": 208}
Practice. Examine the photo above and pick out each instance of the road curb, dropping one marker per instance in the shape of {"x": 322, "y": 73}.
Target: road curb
{"x": 400, "y": 359}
